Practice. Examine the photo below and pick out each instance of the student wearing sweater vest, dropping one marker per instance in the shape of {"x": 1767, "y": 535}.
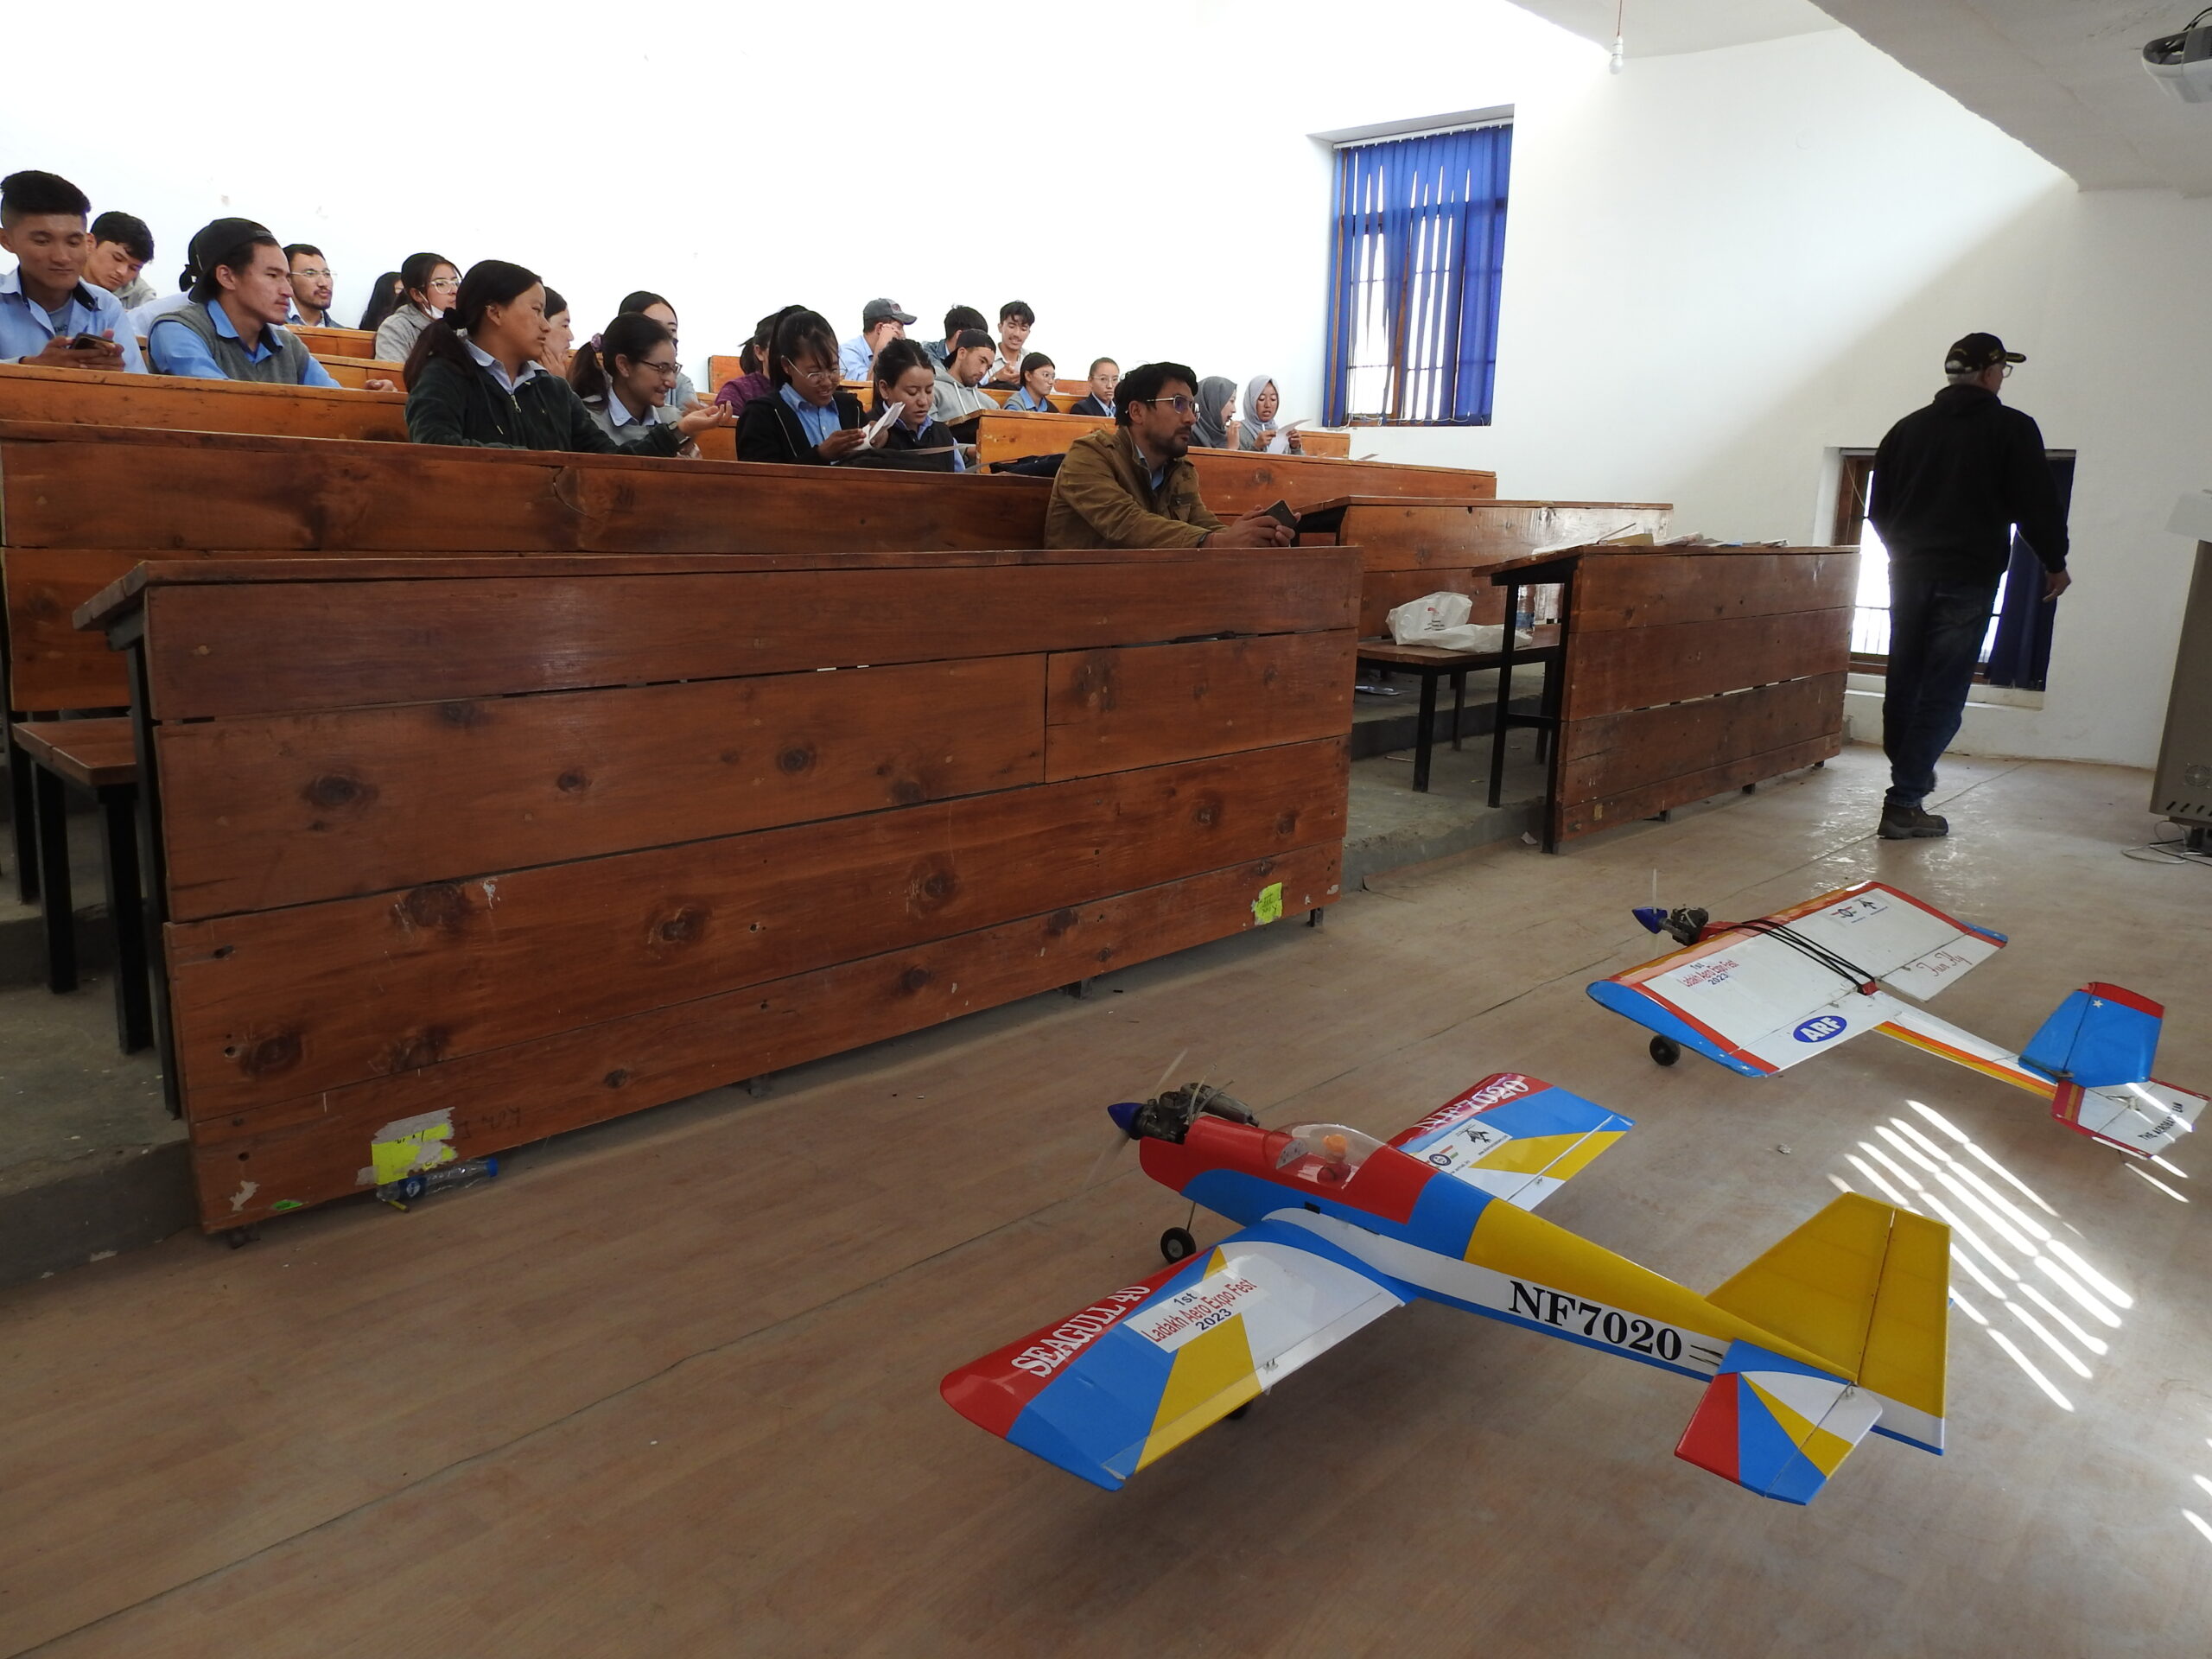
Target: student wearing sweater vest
{"x": 475, "y": 378}
{"x": 230, "y": 329}
{"x": 122, "y": 248}
{"x": 805, "y": 419}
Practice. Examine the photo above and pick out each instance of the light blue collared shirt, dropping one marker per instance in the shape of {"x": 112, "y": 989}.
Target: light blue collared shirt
{"x": 854, "y": 359}
{"x": 496, "y": 370}
{"x": 26, "y": 326}
{"x": 1022, "y": 399}
{"x": 819, "y": 422}
{"x": 182, "y": 352}
{"x": 142, "y": 318}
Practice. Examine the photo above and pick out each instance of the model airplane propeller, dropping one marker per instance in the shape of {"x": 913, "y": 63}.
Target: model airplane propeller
{"x": 1837, "y": 1330}
{"x": 1759, "y": 996}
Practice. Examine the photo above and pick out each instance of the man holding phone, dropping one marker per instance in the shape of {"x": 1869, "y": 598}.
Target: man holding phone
{"x": 50, "y": 316}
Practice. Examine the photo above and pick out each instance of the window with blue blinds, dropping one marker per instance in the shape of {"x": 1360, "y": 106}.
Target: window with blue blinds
{"x": 1414, "y": 273}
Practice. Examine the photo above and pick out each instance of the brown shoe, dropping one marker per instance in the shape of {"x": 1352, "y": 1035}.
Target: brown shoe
{"x": 1911, "y": 823}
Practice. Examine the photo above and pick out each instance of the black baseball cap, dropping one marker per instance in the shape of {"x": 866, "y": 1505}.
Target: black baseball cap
{"x": 212, "y": 242}
{"x": 877, "y": 311}
{"x": 1976, "y": 352}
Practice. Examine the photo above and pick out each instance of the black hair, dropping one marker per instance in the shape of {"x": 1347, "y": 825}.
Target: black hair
{"x": 799, "y": 332}
{"x": 961, "y": 317}
{"x": 1096, "y": 361}
{"x": 968, "y": 339}
{"x": 892, "y": 363}
{"x": 748, "y": 359}
{"x": 1018, "y": 311}
{"x": 489, "y": 282}
{"x": 31, "y": 192}
{"x": 631, "y": 334}
{"x": 1036, "y": 360}
{"x": 415, "y": 277}
{"x": 128, "y": 231}
{"x": 753, "y": 356}
{"x": 641, "y": 300}
{"x": 1141, "y": 385}
{"x": 554, "y": 305}
{"x": 236, "y": 258}
{"x": 383, "y": 299}
{"x": 294, "y": 250}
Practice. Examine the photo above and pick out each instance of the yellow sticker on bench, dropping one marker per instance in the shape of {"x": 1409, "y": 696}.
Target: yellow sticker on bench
{"x": 1268, "y": 907}
{"x": 413, "y": 1143}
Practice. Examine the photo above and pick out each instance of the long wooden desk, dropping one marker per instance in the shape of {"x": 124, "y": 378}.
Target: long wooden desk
{"x": 122, "y": 401}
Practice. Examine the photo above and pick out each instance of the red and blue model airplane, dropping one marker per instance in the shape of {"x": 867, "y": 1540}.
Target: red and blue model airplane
{"x": 1837, "y": 1330}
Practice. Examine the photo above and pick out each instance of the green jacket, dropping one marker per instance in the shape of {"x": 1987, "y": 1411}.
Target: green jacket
{"x": 1102, "y": 497}
{"x": 447, "y": 404}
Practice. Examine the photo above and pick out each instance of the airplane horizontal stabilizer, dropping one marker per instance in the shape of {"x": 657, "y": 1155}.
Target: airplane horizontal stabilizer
{"x": 1773, "y": 1427}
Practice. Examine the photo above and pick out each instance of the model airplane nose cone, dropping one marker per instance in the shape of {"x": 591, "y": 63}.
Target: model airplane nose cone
{"x": 1125, "y": 1116}
{"x": 1651, "y": 916}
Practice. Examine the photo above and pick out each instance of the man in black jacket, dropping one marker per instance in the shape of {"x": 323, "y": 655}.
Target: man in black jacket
{"x": 1951, "y": 483}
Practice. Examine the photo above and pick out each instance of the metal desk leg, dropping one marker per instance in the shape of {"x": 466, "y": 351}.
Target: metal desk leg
{"x": 1458, "y": 703}
{"x": 1499, "y": 724}
{"x": 1426, "y": 735}
{"x": 20, "y": 814}
{"x": 50, "y": 801}
{"x": 126, "y": 910}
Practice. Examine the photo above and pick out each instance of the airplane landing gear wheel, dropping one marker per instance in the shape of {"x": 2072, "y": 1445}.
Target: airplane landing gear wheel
{"x": 1237, "y": 1415}
{"x": 1665, "y": 1049}
{"x": 1177, "y": 1245}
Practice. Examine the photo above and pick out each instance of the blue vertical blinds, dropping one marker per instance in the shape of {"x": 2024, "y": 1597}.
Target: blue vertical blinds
{"x": 1414, "y": 274}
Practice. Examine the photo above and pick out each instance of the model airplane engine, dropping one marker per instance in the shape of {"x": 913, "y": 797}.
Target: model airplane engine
{"x": 1169, "y": 1117}
{"x": 1684, "y": 926}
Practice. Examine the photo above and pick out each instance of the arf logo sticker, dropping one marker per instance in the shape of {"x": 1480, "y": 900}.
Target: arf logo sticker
{"x": 1820, "y": 1030}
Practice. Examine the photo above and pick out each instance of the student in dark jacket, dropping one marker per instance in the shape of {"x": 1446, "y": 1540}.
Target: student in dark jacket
{"x": 1951, "y": 481}
{"x": 904, "y": 376}
{"x": 474, "y": 377}
{"x": 804, "y": 418}
{"x": 1105, "y": 375}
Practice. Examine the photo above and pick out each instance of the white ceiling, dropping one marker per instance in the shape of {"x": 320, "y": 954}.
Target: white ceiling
{"x": 1656, "y": 28}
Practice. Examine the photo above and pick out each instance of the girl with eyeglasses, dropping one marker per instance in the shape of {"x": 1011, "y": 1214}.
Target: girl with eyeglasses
{"x": 625, "y": 376}
{"x": 805, "y": 419}
{"x": 428, "y": 283}
{"x": 1038, "y": 374}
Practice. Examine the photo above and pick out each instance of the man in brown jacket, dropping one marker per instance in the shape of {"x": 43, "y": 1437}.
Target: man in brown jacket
{"x": 1135, "y": 485}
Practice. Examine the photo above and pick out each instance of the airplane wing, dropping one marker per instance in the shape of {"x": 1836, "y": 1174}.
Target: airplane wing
{"x": 1518, "y": 1138}
{"x": 1759, "y": 996}
{"x": 1130, "y": 1378}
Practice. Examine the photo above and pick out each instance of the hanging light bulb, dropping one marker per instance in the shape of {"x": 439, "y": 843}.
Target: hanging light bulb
{"x": 1620, "y": 55}
{"x": 1620, "y": 37}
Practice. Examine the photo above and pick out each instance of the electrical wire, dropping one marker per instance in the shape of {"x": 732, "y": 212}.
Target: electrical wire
{"x": 1834, "y": 961}
{"x": 2168, "y": 852}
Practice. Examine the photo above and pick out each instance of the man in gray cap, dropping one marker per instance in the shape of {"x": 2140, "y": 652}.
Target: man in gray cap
{"x": 1951, "y": 482}
{"x": 881, "y": 322}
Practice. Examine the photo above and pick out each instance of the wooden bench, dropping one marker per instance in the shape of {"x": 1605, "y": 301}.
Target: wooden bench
{"x": 354, "y": 373}
{"x": 511, "y": 846}
{"x": 125, "y": 401}
{"x": 338, "y": 342}
{"x": 1683, "y": 673}
{"x": 1409, "y": 548}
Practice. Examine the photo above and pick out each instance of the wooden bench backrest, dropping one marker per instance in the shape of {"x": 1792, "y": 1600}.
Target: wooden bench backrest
{"x": 183, "y": 405}
{"x": 352, "y": 372}
{"x": 396, "y": 809}
{"x": 339, "y": 342}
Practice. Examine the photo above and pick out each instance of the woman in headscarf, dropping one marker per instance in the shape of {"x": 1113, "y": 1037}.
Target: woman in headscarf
{"x": 1216, "y": 393}
{"x": 1261, "y": 403}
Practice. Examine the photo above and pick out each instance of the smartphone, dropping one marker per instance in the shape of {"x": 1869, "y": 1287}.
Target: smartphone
{"x": 1282, "y": 513}
{"x": 80, "y": 341}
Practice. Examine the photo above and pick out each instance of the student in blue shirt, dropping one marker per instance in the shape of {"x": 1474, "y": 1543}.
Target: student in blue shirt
{"x": 881, "y": 322}
{"x": 805, "y": 419}
{"x": 231, "y": 329}
{"x": 1038, "y": 373}
{"x": 50, "y": 317}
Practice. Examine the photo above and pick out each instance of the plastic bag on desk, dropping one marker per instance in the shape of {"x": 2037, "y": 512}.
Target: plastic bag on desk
{"x": 1418, "y": 621}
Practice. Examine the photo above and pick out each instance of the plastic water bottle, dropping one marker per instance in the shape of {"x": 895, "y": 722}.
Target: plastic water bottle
{"x": 442, "y": 1179}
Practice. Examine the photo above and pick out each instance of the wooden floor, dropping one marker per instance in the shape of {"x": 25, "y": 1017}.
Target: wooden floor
{"x": 671, "y": 1387}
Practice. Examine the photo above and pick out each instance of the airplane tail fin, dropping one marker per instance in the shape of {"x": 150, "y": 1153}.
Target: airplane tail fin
{"x": 2099, "y": 1046}
{"x": 1864, "y": 1289}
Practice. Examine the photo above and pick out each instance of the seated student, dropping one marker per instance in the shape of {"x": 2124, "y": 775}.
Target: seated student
{"x": 1105, "y": 375}
{"x": 904, "y": 376}
{"x": 474, "y": 377}
{"x": 960, "y": 394}
{"x": 50, "y": 317}
{"x": 1257, "y": 430}
{"x": 808, "y": 420}
{"x": 881, "y": 322}
{"x": 1134, "y": 485}
{"x": 229, "y": 330}
{"x": 753, "y": 362}
{"x": 648, "y": 303}
{"x": 1016, "y": 320}
{"x": 1038, "y": 373}
{"x": 1216, "y": 408}
{"x": 122, "y": 246}
{"x": 625, "y": 375}
{"x": 313, "y": 283}
{"x": 383, "y": 294}
{"x": 560, "y": 336}
{"x": 958, "y": 322}
{"x": 428, "y": 283}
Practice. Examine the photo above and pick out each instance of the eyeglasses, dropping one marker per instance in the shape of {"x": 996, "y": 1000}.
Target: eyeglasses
{"x": 1180, "y": 405}
{"x": 671, "y": 369}
{"x": 443, "y": 282}
{"x": 312, "y": 273}
{"x": 816, "y": 377}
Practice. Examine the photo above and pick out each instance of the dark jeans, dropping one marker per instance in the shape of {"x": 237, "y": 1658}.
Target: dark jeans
{"x": 1936, "y": 627}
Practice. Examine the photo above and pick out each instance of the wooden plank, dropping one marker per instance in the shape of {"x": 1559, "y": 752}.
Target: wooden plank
{"x": 1639, "y": 590}
{"x": 1615, "y": 754}
{"x": 51, "y": 665}
{"x": 1611, "y": 671}
{"x": 75, "y": 396}
{"x": 275, "y": 1004}
{"x": 356, "y": 373}
{"x": 249, "y": 1165}
{"x": 338, "y": 342}
{"x": 192, "y": 491}
{"x": 264, "y": 647}
{"x": 1143, "y": 706}
{"x": 1459, "y": 535}
{"x": 290, "y": 808}
{"x": 1001, "y": 436}
{"x": 1324, "y": 440}
{"x": 95, "y": 753}
{"x": 1588, "y": 817}
{"x": 720, "y": 371}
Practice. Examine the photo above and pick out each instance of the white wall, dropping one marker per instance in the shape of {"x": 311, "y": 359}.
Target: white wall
{"x": 1719, "y": 265}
